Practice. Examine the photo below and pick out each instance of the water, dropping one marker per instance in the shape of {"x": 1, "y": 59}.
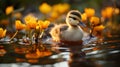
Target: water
{"x": 94, "y": 54}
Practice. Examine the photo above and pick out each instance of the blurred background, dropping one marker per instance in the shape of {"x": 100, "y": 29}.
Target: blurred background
{"x": 18, "y": 9}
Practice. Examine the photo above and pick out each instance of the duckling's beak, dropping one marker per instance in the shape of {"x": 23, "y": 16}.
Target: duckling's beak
{"x": 82, "y": 24}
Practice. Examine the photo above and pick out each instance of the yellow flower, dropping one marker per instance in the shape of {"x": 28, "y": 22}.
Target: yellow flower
{"x": 45, "y": 8}
{"x": 19, "y": 25}
{"x": 31, "y": 22}
{"x": 116, "y": 10}
{"x": 29, "y": 17}
{"x": 61, "y": 8}
{"x": 2, "y": 32}
{"x": 95, "y": 20}
{"x": 99, "y": 28}
{"x": 103, "y": 13}
{"x": 66, "y": 7}
{"x": 9, "y": 10}
{"x": 107, "y": 12}
{"x": 17, "y": 15}
{"x": 54, "y": 14}
{"x": 43, "y": 24}
{"x": 89, "y": 12}
{"x": 84, "y": 17}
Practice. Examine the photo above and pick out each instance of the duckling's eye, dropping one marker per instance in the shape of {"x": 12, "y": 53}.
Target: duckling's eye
{"x": 72, "y": 18}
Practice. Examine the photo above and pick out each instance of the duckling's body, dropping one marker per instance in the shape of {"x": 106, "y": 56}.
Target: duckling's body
{"x": 70, "y": 32}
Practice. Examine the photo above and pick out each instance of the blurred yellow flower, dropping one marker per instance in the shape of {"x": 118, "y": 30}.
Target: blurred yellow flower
{"x": 99, "y": 28}
{"x": 17, "y": 15}
{"x": 116, "y": 10}
{"x": 61, "y": 8}
{"x": 54, "y": 14}
{"x": 45, "y": 8}
{"x": 29, "y": 17}
{"x": 19, "y": 25}
{"x": 31, "y": 22}
{"x": 9, "y": 10}
{"x": 95, "y": 20}
{"x": 43, "y": 24}
{"x": 58, "y": 10}
{"x": 84, "y": 17}
{"x": 2, "y": 32}
{"x": 107, "y": 12}
{"x": 66, "y": 7}
{"x": 103, "y": 13}
{"x": 89, "y": 12}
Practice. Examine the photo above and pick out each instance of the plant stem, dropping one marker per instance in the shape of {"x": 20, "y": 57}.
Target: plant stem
{"x": 41, "y": 34}
{"x": 91, "y": 31}
{"x": 14, "y": 35}
{"x": 30, "y": 36}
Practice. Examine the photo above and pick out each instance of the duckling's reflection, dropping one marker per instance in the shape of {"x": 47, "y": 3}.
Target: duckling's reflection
{"x": 76, "y": 56}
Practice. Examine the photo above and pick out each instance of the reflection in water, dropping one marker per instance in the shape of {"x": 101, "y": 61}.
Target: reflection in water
{"x": 2, "y": 51}
{"x": 20, "y": 60}
{"x": 104, "y": 54}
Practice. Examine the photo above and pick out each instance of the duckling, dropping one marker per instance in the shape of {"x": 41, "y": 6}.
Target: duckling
{"x": 71, "y": 32}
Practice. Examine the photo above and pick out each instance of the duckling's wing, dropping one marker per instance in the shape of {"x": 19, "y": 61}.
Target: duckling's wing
{"x": 63, "y": 28}
{"x": 57, "y": 30}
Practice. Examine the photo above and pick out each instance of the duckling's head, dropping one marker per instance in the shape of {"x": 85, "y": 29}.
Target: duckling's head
{"x": 73, "y": 18}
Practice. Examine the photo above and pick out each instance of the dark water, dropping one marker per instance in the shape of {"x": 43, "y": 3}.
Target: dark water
{"x": 94, "y": 54}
